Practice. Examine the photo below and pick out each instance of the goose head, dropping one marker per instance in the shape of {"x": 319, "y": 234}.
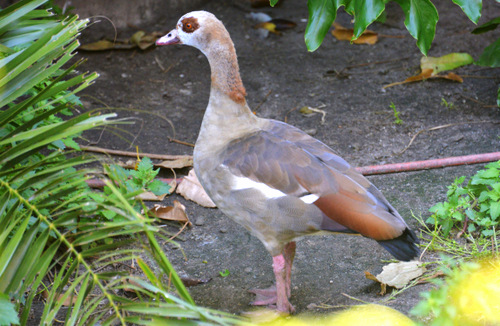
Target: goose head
{"x": 199, "y": 29}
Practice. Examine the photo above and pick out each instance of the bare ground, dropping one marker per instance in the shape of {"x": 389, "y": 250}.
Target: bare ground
{"x": 280, "y": 75}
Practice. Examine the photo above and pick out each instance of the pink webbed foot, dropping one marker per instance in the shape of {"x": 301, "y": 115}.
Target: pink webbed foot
{"x": 277, "y": 296}
{"x": 264, "y": 297}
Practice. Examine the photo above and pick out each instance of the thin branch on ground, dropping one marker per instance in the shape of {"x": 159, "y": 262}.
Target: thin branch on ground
{"x": 173, "y": 140}
{"x": 441, "y": 127}
{"x": 95, "y": 149}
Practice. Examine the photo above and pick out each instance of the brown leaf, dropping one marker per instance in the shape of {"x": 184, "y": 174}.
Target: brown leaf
{"x": 191, "y": 189}
{"x": 149, "y": 196}
{"x": 452, "y": 76}
{"x": 139, "y": 39}
{"x": 426, "y": 74}
{"x": 177, "y": 163}
{"x": 69, "y": 301}
{"x": 383, "y": 287}
{"x": 128, "y": 281}
{"x": 187, "y": 281}
{"x": 143, "y": 40}
{"x": 171, "y": 213}
{"x": 104, "y": 45}
{"x": 346, "y": 34}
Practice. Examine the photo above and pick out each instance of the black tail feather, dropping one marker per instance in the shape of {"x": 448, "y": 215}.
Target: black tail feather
{"x": 403, "y": 247}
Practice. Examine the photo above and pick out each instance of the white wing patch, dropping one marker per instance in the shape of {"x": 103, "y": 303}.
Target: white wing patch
{"x": 309, "y": 199}
{"x": 240, "y": 183}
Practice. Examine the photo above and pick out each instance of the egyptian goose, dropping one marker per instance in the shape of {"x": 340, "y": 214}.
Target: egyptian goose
{"x": 272, "y": 178}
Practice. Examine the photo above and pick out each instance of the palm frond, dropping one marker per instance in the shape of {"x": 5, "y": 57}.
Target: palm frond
{"x": 50, "y": 234}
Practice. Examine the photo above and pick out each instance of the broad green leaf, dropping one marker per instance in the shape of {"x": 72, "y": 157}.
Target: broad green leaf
{"x": 420, "y": 20}
{"x": 495, "y": 210}
{"x": 8, "y": 313}
{"x": 491, "y": 56}
{"x": 472, "y": 8}
{"x": 273, "y": 2}
{"x": 488, "y": 26}
{"x": 322, "y": 14}
{"x": 365, "y": 13}
{"x": 446, "y": 62}
{"x": 159, "y": 187}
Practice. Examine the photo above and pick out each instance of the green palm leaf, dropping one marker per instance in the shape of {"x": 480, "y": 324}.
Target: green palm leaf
{"x": 49, "y": 221}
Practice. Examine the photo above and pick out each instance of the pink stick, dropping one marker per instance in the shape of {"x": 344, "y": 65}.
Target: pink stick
{"x": 429, "y": 164}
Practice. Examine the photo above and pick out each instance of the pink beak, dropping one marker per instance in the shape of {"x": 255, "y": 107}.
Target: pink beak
{"x": 171, "y": 38}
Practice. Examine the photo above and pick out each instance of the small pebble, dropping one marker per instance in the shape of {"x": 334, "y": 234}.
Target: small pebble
{"x": 311, "y": 132}
{"x": 248, "y": 269}
{"x": 223, "y": 230}
{"x": 200, "y": 220}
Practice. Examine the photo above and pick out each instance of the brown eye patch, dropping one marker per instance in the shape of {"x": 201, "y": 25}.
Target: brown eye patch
{"x": 190, "y": 24}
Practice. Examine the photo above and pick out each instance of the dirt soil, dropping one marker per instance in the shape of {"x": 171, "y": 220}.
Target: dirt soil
{"x": 281, "y": 75}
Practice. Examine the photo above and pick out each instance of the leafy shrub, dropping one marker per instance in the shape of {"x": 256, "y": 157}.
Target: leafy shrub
{"x": 467, "y": 296}
{"x": 473, "y": 206}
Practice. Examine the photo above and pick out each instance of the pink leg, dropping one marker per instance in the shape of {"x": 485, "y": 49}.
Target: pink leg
{"x": 279, "y": 294}
{"x": 289, "y": 254}
{"x": 279, "y": 267}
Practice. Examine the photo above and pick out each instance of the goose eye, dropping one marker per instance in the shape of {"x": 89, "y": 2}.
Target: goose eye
{"x": 188, "y": 26}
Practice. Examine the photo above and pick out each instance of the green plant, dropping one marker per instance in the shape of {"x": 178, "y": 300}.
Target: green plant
{"x": 468, "y": 247}
{"x": 491, "y": 54}
{"x": 446, "y": 104}
{"x": 474, "y": 206}
{"x": 467, "y": 296}
{"x": 134, "y": 181}
{"x": 224, "y": 273}
{"x": 48, "y": 214}
{"x": 397, "y": 119}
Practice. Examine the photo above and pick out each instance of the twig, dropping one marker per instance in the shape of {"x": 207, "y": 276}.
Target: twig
{"x": 173, "y": 140}
{"x": 132, "y": 154}
{"x": 263, "y": 100}
{"x": 374, "y": 63}
{"x": 98, "y": 183}
{"x": 356, "y": 299}
{"x": 478, "y": 102}
{"x": 289, "y": 111}
{"x": 441, "y": 127}
{"x": 159, "y": 63}
{"x": 177, "y": 234}
{"x": 429, "y": 164}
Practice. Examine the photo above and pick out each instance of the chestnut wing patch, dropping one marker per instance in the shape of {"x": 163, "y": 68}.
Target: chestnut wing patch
{"x": 289, "y": 166}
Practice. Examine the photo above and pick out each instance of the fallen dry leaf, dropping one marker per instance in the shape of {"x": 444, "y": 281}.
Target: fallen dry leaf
{"x": 171, "y": 213}
{"x": 446, "y": 62}
{"x": 128, "y": 281}
{"x": 69, "y": 301}
{"x": 104, "y": 45}
{"x": 177, "y": 163}
{"x": 188, "y": 282}
{"x": 139, "y": 39}
{"x": 397, "y": 275}
{"x": 148, "y": 195}
{"x": 191, "y": 189}
{"x": 346, "y": 34}
{"x": 432, "y": 66}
